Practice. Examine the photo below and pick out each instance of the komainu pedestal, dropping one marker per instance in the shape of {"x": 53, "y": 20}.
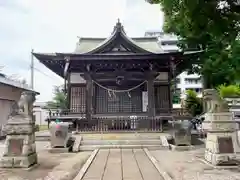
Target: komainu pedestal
{"x": 221, "y": 128}
{"x": 20, "y": 148}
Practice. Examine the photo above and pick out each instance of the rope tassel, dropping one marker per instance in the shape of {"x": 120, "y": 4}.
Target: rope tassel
{"x": 109, "y": 94}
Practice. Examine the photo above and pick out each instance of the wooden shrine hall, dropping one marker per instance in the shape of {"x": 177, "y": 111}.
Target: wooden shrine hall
{"x": 117, "y": 77}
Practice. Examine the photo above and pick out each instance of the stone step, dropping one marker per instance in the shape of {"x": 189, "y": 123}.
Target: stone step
{"x": 128, "y": 136}
{"x": 122, "y": 142}
{"x": 93, "y": 147}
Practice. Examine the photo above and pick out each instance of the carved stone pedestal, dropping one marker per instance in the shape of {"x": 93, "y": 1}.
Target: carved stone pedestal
{"x": 20, "y": 147}
{"x": 221, "y": 142}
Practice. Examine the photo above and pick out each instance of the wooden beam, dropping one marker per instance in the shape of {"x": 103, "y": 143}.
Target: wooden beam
{"x": 114, "y": 79}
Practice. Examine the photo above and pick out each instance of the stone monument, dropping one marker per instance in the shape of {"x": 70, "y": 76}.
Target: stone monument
{"x": 182, "y": 133}
{"x": 20, "y": 147}
{"x": 221, "y": 130}
{"x": 59, "y": 135}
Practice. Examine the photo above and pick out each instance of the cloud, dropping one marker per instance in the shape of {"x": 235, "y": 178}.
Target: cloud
{"x": 53, "y": 26}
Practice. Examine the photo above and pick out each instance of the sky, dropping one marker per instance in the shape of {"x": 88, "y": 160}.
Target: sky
{"x": 54, "y": 25}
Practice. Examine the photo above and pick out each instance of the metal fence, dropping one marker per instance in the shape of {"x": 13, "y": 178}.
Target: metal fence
{"x": 131, "y": 123}
{"x": 159, "y": 111}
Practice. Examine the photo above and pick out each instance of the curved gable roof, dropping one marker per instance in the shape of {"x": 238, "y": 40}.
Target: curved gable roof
{"x": 118, "y": 38}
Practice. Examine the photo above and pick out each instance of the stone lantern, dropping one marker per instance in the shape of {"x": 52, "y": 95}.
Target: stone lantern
{"x": 20, "y": 147}
{"x": 222, "y": 139}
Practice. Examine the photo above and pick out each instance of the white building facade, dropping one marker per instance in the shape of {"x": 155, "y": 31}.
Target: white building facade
{"x": 40, "y": 113}
{"x": 184, "y": 81}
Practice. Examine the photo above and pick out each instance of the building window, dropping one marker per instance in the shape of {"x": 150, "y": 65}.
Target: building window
{"x": 197, "y": 90}
{"x": 193, "y": 81}
{"x": 177, "y": 80}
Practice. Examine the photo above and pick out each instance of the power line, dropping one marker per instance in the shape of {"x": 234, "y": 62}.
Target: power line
{"x": 45, "y": 74}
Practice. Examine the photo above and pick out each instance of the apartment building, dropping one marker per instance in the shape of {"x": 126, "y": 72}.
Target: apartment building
{"x": 184, "y": 81}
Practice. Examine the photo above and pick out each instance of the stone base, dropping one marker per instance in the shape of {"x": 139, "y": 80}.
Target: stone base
{"x": 18, "y": 162}
{"x": 180, "y": 148}
{"x": 220, "y": 159}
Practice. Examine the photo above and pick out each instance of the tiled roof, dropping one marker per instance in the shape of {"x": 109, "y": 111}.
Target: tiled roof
{"x": 88, "y": 44}
{"x": 9, "y": 82}
{"x": 142, "y": 44}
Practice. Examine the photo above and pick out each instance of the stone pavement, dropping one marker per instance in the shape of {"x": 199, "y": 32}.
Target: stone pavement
{"x": 122, "y": 164}
{"x": 188, "y": 165}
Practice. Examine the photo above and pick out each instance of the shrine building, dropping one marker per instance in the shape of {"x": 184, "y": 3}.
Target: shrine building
{"x": 118, "y": 76}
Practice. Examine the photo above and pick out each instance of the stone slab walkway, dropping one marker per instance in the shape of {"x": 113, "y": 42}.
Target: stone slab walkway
{"x": 122, "y": 164}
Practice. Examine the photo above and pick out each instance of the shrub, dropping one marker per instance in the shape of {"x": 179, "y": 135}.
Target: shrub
{"x": 193, "y": 104}
{"x": 230, "y": 91}
{"x": 36, "y": 128}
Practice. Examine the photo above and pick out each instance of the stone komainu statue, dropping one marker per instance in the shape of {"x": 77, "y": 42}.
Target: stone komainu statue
{"x": 213, "y": 102}
{"x": 25, "y": 104}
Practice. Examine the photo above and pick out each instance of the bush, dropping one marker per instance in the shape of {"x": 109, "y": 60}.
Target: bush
{"x": 230, "y": 91}
{"x": 193, "y": 104}
{"x": 36, "y": 128}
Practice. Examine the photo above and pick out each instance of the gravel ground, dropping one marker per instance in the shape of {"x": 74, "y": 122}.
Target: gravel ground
{"x": 187, "y": 165}
{"x": 50, "y": 164}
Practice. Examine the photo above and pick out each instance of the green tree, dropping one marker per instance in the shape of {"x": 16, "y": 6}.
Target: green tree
{"x": 193, "y": 104}
{"x": 230, "y": 91}
{"x": 212, "y": 26}
{"x": 59, "y": 100}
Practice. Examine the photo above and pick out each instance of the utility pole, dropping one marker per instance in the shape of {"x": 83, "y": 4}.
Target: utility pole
{"x": 32, "y": 70}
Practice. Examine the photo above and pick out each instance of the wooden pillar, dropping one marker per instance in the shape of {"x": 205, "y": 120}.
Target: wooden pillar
{"x": 89, "y": 99}
{"x": 171, "y": 76}
{"x": 170, "y": 92}
{"x": 69, "y": 93}
{"x": 151, "y": 102}
{"x": 67, "y": 79}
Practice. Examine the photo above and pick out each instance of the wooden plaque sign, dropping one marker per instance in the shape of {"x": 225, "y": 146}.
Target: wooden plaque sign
{"x": 15, "y": 147}
{"x": 225, "y": 145}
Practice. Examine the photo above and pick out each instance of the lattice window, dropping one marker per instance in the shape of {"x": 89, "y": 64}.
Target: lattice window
{"x": 101, "y": 100}
{"x": 125, "y": 103}
{"x": 113, "y": 101}
{"x": 78, "y": 99}
{"x": 136, "y": 98}
{"x": 109, "y": 102}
